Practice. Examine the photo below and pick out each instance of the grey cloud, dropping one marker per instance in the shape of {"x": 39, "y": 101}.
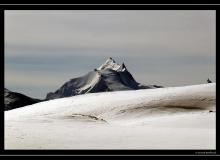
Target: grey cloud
{"x": 164, "y": 47}
{"x": 111, "y": 29}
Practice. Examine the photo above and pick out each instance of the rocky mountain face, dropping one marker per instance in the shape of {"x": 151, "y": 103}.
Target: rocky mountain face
{"x": 108, "y": 77}
{"x": 15, "y": 100}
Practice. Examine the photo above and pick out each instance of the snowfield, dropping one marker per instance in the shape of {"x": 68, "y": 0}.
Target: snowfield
{"x": 163, "y": 118}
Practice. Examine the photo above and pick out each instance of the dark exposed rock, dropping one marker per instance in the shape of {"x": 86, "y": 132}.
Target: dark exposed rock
{"x": 15, "y": 100}
{"x": 209, "y": 81}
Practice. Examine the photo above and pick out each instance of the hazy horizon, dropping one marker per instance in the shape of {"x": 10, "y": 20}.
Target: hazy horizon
{"x": 44, "y": 49}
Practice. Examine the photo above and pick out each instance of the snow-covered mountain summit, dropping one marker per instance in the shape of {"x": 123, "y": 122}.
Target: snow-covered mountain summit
{"x": 109, "y": 64}
{"x": 110, "y": 76}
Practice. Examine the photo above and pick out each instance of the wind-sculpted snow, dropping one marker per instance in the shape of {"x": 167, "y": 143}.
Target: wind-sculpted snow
{"x": 163, "y": 118}
{"x": 122, "y": 105}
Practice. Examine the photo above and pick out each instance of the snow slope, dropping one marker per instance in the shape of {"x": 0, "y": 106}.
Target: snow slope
{"x": 163, "y": 118}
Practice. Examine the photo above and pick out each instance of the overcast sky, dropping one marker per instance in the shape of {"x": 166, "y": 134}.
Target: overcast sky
{"x": 44, "y": 49}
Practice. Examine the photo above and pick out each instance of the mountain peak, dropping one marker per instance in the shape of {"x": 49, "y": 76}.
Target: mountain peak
{"x": 110, "y": 76}
{"x": 123, "y": 65}
{"x": 109, "y": 64}
{"x": 110, "y": 58}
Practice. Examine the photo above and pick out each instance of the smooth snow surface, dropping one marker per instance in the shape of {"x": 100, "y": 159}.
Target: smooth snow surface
{"x": 163, "y": 118}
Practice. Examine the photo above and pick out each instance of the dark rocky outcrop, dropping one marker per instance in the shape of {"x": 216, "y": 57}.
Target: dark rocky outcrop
{"x": 15, "y": 100}
{"x": 209, "y": 81}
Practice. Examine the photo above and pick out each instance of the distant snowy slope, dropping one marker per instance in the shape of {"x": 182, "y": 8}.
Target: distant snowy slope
{"x": 113, "y": 106}
{"x": 110, "y": 76}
